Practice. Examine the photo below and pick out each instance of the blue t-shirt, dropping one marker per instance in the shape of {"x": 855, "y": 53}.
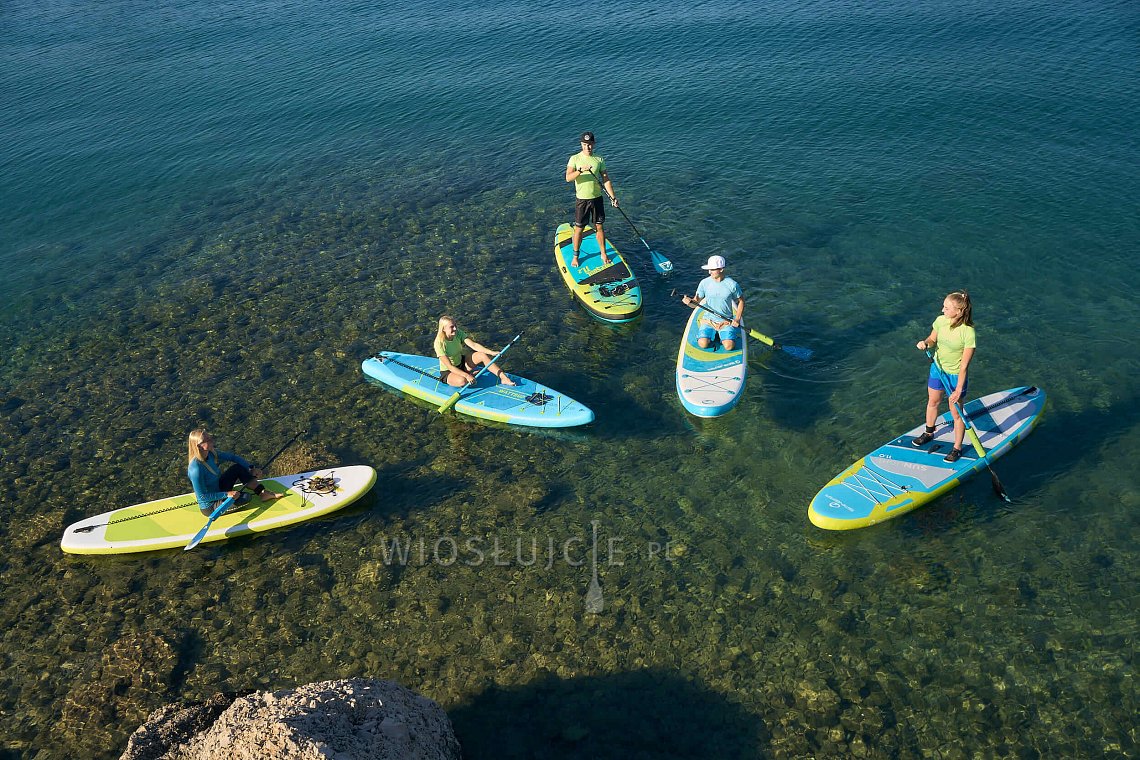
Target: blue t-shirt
{"x": 204, "y": 477}
{"x": 718, "y": 296}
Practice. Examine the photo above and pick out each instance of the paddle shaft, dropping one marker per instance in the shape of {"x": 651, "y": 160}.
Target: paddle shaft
{"x": 972, "y": 434}
{"x": 281, "y": 451}
{"x": 452, "y": 401}
{"x": 755, "y": 334}
{"x": 660, "y": 263}
{"x": 974, "y": 440}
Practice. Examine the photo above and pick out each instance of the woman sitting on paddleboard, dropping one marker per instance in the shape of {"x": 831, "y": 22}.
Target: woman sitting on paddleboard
{"x": 211, "y": 485}
{"x": 953, "y": 334}
{"x": 459, "y": 355}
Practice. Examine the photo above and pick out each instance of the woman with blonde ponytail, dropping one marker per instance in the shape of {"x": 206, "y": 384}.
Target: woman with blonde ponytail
{"x": 211, "y": 485}
{"x": 459, "y": 355}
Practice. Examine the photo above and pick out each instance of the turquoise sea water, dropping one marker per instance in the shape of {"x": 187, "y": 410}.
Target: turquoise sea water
{"x": 211, "y": 213}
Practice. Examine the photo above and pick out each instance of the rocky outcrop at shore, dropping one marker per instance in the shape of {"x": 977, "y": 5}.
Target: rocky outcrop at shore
{"x": 331, "y": 720}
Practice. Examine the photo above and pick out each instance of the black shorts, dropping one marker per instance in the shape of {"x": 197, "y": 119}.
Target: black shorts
{"x": 592, "y": 207}
{"x": 467, "y": 364}
{"x": 235, "y": 474}
{"x": 230, "y": 478}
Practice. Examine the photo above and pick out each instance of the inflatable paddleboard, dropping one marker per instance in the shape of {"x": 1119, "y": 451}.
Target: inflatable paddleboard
{"x": 527, "y": 403}
{"x": 710, "y": 380}
{"x": 899, "y": 477}
{"x": 609, "y": 293}
{"x": 171, "y": 522}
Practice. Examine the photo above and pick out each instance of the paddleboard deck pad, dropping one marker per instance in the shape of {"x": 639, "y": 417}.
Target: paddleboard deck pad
{"x": 171, "y": 522}
{"x": 710, "y": 380}
{"x": 608, "y": 292}
{"x": 526, "y": 403}
{"x": 899, "y": 477}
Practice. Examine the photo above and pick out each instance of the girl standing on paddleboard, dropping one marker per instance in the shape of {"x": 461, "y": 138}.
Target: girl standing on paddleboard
{"x": 953, "y": 334}
{"x": 459, "y": 355}
{"x": 211, "y": 485}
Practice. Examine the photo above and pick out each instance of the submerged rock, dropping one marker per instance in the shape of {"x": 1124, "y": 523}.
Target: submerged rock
{"x": 355, "y": 718}
{"x": 133, "y": 670}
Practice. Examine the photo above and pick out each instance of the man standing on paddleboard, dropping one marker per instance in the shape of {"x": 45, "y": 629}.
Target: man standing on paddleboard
{"x": 720, "y": 294}
{"x": 588, "y": 173}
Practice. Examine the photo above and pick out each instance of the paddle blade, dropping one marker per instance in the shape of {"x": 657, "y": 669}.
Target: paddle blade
{"x": 999, "y": 489}
{"x": 798, "y": 352}
{"x": 660, "y": 263}
{"x": 206, "y": 528}
{"x": 198, "y": 536}
{"x": 595, "y": 601}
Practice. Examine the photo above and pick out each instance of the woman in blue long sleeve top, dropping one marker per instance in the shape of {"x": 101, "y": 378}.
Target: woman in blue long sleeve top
{"x": 211, "y": 485}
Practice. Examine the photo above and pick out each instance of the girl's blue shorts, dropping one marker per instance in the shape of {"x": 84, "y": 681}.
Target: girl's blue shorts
{"x": 935, "y": 381}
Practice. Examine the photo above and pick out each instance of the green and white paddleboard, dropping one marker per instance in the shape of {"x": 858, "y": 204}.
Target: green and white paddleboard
{"x": 171, "y": 522}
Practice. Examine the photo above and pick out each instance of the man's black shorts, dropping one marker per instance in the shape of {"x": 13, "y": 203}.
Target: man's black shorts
{"x": 593, "y": 208}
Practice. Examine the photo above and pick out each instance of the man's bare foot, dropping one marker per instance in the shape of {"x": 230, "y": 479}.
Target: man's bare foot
{"x": 574, "y": 261}
{"x": 505, "y": 380}
{"x": 268, "y": 495}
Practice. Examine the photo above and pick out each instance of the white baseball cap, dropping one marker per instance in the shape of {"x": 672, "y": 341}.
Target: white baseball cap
{"x": 715, "y": 262}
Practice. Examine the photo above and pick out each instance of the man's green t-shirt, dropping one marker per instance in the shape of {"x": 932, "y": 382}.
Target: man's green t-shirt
{"x": 585, "y": 186}
{"x": 951, "y": 343}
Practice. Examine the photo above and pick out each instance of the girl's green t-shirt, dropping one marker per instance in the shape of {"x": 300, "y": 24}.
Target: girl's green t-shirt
{"x": 452, "y": 349}
{"x": 952, "y": 342}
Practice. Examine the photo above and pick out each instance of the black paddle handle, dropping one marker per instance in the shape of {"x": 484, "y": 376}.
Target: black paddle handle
{"x": 281, "y": 450}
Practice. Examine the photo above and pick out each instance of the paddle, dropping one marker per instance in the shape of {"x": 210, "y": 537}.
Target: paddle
{"x": 221, "y": 509}
{"x": 803, "y": 354}
{"x": 973, "y": 435}
{"x": 451, "y": 401}
{"x": 595, "y": 602}
{"x": 660, "y": 263}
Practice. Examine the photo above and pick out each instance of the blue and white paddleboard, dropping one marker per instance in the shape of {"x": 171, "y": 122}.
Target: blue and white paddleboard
{"x": 527, "y": 403}
{"x": 898, "y": 476}
{"x": 710, "y": 380}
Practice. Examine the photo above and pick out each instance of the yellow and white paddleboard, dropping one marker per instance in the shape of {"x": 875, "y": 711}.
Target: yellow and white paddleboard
{"x": 608, "y": 292}
{"x": 171, "y": 522}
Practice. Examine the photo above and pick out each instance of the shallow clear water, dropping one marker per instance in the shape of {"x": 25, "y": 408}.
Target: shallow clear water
{"x": 212, "y": 215}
